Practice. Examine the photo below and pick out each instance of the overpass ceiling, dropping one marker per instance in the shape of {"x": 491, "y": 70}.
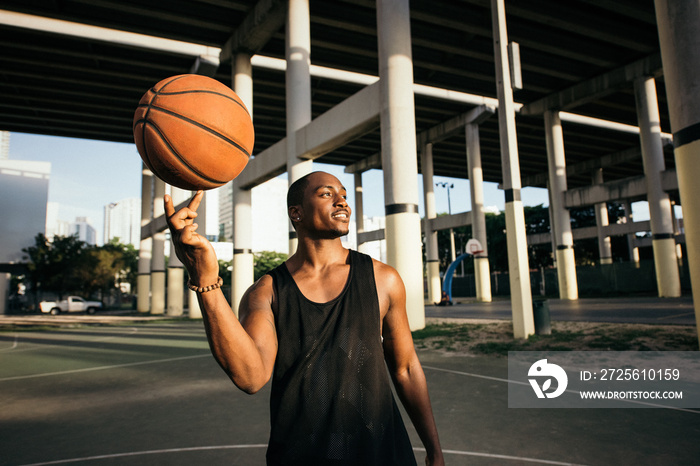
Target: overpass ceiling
{"x": 69, "y": 86}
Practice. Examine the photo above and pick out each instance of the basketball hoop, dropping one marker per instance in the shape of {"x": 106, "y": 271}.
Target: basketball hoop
{"x": 474, "y": 247}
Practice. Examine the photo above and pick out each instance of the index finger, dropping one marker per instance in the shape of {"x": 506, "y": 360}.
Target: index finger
{"x": 196, "y": 200}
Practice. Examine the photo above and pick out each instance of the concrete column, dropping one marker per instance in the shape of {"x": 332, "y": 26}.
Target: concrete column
{"x": 143, "y": 282}
{"x": 668, "y": 280}
{"x": 193, "y": 309}
{"x": 359, "y": 211}
{"x": 631, "y": 237}
{"x": 5, "y": 279}
{"x": 399, "y": 160}
{"x": 482, "y": 272}
{"x": 566, "y": 263}
{"x": 431, "y": 239}
{"x": 243, "y": 263}
{"x": 158, "y": 258}
{"x": 518, "y": 267}
{"x": 602, "y": 221}
{"x": 298, "y": 86}
{"x": 176, "y": 272}
{"x": 679, "y": 35}
{"x": 552, "y": 231}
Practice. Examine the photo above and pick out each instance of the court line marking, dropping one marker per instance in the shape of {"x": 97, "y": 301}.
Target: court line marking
{"x": 14, "y": 344}
{"x": 38, "y": 346}
{"x": 260, "y": 445}
{"x": 101, "y": 368}
{"x": 677, "y": 315}
{"x": 503, "y": 457}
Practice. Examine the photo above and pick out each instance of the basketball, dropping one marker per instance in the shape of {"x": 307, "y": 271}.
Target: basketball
{"x": 193, "y": 132}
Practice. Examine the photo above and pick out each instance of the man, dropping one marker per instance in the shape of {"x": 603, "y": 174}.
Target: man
{"x": 321, "y": 326}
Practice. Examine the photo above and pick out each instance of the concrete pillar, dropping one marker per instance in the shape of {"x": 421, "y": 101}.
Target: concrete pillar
{"x": 399, "y": 160}
{"x": 631, "y": 237}
{"x": 552, "y": 232}
{"x": 679, "y": 35}
{"x": 5, "y": 279}
{"x": 176, "y": 272}
{"x": 143, "y": 281}
{"x": 482, "y": 272}
{"x": 431, "y": 239}
{"x": 516, "y": 238}
{"x": 193, "y": 309}
{"x": 158, "y": 258}
{"x": 566, "y": 263}
{"x": 175, "y": 285}
{"x": 602, "y": 221}
{"x": 359, "y": 212}
{"x": 298, "y": 87}
{"x": 668, "y": 280}
{"x": 243, "y": 263}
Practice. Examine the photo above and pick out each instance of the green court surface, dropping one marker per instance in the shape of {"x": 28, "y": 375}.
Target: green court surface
{"x": 151, "y": 394}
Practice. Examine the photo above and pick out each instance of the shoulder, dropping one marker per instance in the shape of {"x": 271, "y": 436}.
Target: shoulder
{"x": 387, "y": 278}
{"x": 259, "y": 296}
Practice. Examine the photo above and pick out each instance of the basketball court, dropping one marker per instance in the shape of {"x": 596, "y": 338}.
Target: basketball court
{"x": 150, "y": 393}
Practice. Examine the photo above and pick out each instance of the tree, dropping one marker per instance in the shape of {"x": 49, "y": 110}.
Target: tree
{"x": 52, "y": 265}
{"x": 266, "y": 261}
{"x": 68, "y": 265}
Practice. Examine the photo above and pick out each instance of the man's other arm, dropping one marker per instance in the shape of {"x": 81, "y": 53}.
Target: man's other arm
{"x": 403, "y": 363}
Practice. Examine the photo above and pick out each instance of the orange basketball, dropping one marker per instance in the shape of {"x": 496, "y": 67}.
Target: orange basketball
{"x": 193, "y": 132}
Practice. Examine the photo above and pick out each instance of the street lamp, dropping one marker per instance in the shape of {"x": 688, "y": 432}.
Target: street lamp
{"x": 444, "y": 184}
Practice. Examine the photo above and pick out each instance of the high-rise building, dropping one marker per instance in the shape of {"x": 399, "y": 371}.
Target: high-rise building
{"x": 270, "y": 223}
{"x": 84, "y": 230}
{"x": 122, "y": 220}
{"x": 4, "y": 145}
{"x": 54, "y": 226}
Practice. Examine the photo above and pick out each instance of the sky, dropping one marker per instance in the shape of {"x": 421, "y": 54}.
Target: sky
{"x": 86, "y": 175}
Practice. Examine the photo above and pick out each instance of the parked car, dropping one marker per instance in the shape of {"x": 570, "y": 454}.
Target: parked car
{"x": 70, "y": 304}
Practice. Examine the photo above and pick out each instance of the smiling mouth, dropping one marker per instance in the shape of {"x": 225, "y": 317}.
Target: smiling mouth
{"x": 342, "y": 215}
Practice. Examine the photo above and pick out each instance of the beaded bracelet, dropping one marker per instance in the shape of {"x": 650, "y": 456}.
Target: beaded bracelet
{"x": 204, "y": 289}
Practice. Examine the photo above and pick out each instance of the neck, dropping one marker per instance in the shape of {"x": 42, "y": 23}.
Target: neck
{"x": 318, "y": 253}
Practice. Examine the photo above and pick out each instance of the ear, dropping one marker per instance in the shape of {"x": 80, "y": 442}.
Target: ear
{"x": 295, "y": 213}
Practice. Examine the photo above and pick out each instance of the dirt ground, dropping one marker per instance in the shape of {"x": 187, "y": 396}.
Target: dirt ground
{"x": 496, "y": 337}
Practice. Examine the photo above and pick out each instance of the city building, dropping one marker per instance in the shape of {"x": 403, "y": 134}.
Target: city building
{"x": 54, "y": 226}
{"x": 122, "y": 220}
{"x": 82, "y": 227}
{"x": 270, "y": 222}
{"x": 25, "y": 185}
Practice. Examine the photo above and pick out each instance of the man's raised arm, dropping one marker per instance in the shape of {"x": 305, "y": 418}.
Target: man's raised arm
{"x": 244, "y": 349}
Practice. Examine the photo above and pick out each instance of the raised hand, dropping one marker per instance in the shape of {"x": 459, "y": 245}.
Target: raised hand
{"x": 193, "y": 249}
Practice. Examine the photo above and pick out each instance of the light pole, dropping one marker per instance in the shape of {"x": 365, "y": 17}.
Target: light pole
{"x": 444, "y": 184}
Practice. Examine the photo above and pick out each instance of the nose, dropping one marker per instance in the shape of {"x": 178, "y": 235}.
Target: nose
{"x": 340, "y": 201}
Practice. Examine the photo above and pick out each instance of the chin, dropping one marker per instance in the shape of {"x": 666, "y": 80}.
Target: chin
{"x": 338, "y": 233}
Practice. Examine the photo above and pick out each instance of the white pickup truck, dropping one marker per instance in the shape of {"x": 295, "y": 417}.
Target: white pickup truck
{"x": 70, "y": 304}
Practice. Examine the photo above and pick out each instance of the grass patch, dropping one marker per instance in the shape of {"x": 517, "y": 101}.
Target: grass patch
{"x": 496, "y": 339}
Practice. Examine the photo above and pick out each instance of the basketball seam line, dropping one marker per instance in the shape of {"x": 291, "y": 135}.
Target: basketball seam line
{"x": 178, "y": 156}
{"x": 203, "y": 91}
{"x": 199, "y": 125}
{"x": 147, "y": 158}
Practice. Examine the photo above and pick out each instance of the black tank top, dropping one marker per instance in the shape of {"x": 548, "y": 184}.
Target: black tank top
{"x": 331, "y": 401}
